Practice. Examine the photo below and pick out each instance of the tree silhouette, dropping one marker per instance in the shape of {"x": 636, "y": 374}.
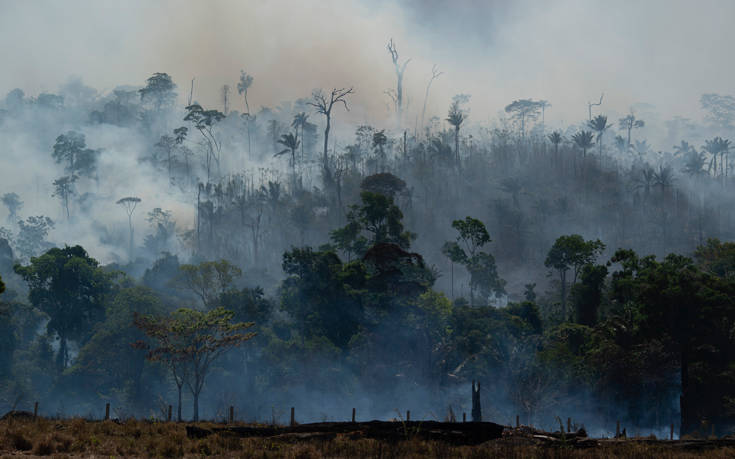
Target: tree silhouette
{"x": 599, "y": 125}
{"x": 193, "y": 341}
{"x": 205, "y": 121}
{"x": 583, "y": 140}
{"x": 160, "y": 90}
{"x": 524, "y": 110}
{"x": 628, "y": 123}
{"x": 324, "y": 105}
{"x": 64, "y": 190}
{"x": 291, "y": 142}
{"x": 456, "y": 117}
{"x": 555, "y": 138}
{"x": 300, "y": 120}
{"x": 400, "y": 69}
{"x": 129, "y": 203}
{"x": 13, "y": 203}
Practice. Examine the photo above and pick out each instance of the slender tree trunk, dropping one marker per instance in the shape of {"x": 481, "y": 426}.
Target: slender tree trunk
{"x": 564, "y": 293}
{"x": 325, "y": 160}
{"x": 179, "y": 405}
{"x": 130, "y": 225}
{"x": 196, "y": 406}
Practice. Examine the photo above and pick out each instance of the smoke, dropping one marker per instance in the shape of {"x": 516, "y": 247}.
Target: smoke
{"x": 660, "y": 52}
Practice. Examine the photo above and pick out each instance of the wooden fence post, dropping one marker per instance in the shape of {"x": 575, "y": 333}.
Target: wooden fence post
{"x": 518, "y": 421}
{"x": 293, "y": 419}
{"x": 353, "y": 415}
{"x": 107, "y": 411}
{"x": 232, "y": 414}
{"x": 671, "y": 434}
{"x": 464, "y": 417}
{"x": 169, "y": 413}
{"x": 408, "y": 415}
{"x": 617, "y": 429}
{"x": 569, "y": 425}
{"x": 35, "y": 410}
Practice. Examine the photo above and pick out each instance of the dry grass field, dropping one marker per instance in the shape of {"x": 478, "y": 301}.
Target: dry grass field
{"x": 135, "y": 438}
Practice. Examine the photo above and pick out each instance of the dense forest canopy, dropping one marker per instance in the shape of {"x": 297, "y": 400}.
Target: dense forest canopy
{"x": 169, "y": 247}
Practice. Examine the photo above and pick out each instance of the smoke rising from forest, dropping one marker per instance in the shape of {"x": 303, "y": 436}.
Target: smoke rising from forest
{"x": 246, "y": 192}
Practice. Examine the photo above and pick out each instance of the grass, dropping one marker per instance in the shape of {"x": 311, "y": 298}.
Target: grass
{"x": 134, "y": 438}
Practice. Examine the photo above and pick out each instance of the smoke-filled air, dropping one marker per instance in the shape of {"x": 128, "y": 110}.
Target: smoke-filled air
{"x": 375, "y": 205}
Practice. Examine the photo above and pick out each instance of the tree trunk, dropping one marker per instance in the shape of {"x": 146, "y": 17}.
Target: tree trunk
{"x": 179, "y": 405}
{"x": 687, "y": 423}
{"x": 196, "y": 406}
{"x": 456, "y": 145}
{"x": 564, "y": 293}
{"x": 326, "y": 144}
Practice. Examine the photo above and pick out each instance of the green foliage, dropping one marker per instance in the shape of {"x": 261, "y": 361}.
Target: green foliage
{"x": 587, "y": 294}
{"x": 69, "y": 286}
{"x": 190, "y": 341}
{"x": 377, "y": 220}
{"x": 717, "y": 258}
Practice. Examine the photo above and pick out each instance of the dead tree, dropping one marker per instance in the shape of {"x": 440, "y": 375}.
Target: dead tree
{"x": 400, "y": 69}
{"x": 590, "y": 105}
{"x": 476, "y": 408}
{"x": 324, "y": 105}
{"x": 435, "y": 73}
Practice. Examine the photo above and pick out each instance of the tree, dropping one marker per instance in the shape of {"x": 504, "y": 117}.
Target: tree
{"x": 13, "y": 203}
{"x": 300, "y": 121}
{"x": 159, "y": 90}
{"x": 190, "y": 341}
{"x": 717, "y": 147}
{"x": 599, "y": 125}
{"x": 324, "y": 105}
{"x": 571, "y": 253}
{"x": 130, "y": 203}
{"x": 480, "y": 265}
{"x": 208, "y": 280}
{"x": 400, "y": 69}
{"x": 205, "y": 122}
{"x": 70, "y": 287}
{"x": 32, "y": 233}
{"x": 72, "y": 149}
{"x": 64, "y": 190}
{"x": 377, "y": 220}
{"x": 291, "y": 142}
{"x": 435, "y": 73}
{"x": 583, "y": 140}
{"x": 225, "y": 93}
{"x": 242, "y": 88}
{"x": 556, "y": 138}
{"x": 456, "y": 116}
{"x": 379, "y": 141}
{"x": 524, "y": 110}
{"x": 630, "y": 122}
{"x": 587, "y": 294}
{"x": 384, "y": 183}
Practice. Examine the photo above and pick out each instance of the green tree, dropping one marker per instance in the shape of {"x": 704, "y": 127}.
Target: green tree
{"x": 194, "y": 340}
{"x": 72, "y": 149}
{"x": 556, "y": 138}
{"x": 159, "y": 90}
{"x": 376, "y": 220}
{"x": 571, "y": 252}
{"x": 587, "y": 294}
{"x": 480, "y": 265}
{"x": 69, "y": 286}
{"x": 291, "y": 142}
{"x": 524, "y": 110}
{"x": 129, "y": 203}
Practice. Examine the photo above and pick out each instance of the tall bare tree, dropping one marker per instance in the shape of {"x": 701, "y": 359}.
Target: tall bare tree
{"x": 400, "y": 69}
{"x": 324, "y": 104}
{"x": 435, "y": 73}
{"x": 130, "y": 203}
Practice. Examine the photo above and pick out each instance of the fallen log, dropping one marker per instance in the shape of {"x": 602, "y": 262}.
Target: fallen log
{"x": 458, "y": 433}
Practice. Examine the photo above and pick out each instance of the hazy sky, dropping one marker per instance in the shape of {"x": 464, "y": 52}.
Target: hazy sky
{"x": 665, "y": 53}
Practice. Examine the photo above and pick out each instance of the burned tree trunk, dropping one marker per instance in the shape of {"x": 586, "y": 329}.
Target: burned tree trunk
{"x": 476, "y": 408}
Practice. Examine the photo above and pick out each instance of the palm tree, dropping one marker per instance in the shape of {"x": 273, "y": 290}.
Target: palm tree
{"x": 599, "y": 125}
{"x": 456, "y": 117}
{"x": 299, "y": 121}
{"x": 583, "y": 140}
{"x": 645, "y": 181}
{"x": 291, "y": 142}
{"x": 555, "y": 138}
{"x": 663, "y": 178}
{"x": 695, "y": 163}
{"x": 717, "y": 146}
{"x": 242, "y": 88}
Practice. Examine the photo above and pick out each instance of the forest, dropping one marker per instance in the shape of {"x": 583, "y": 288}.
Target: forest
{"x": 169, "y": 250}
